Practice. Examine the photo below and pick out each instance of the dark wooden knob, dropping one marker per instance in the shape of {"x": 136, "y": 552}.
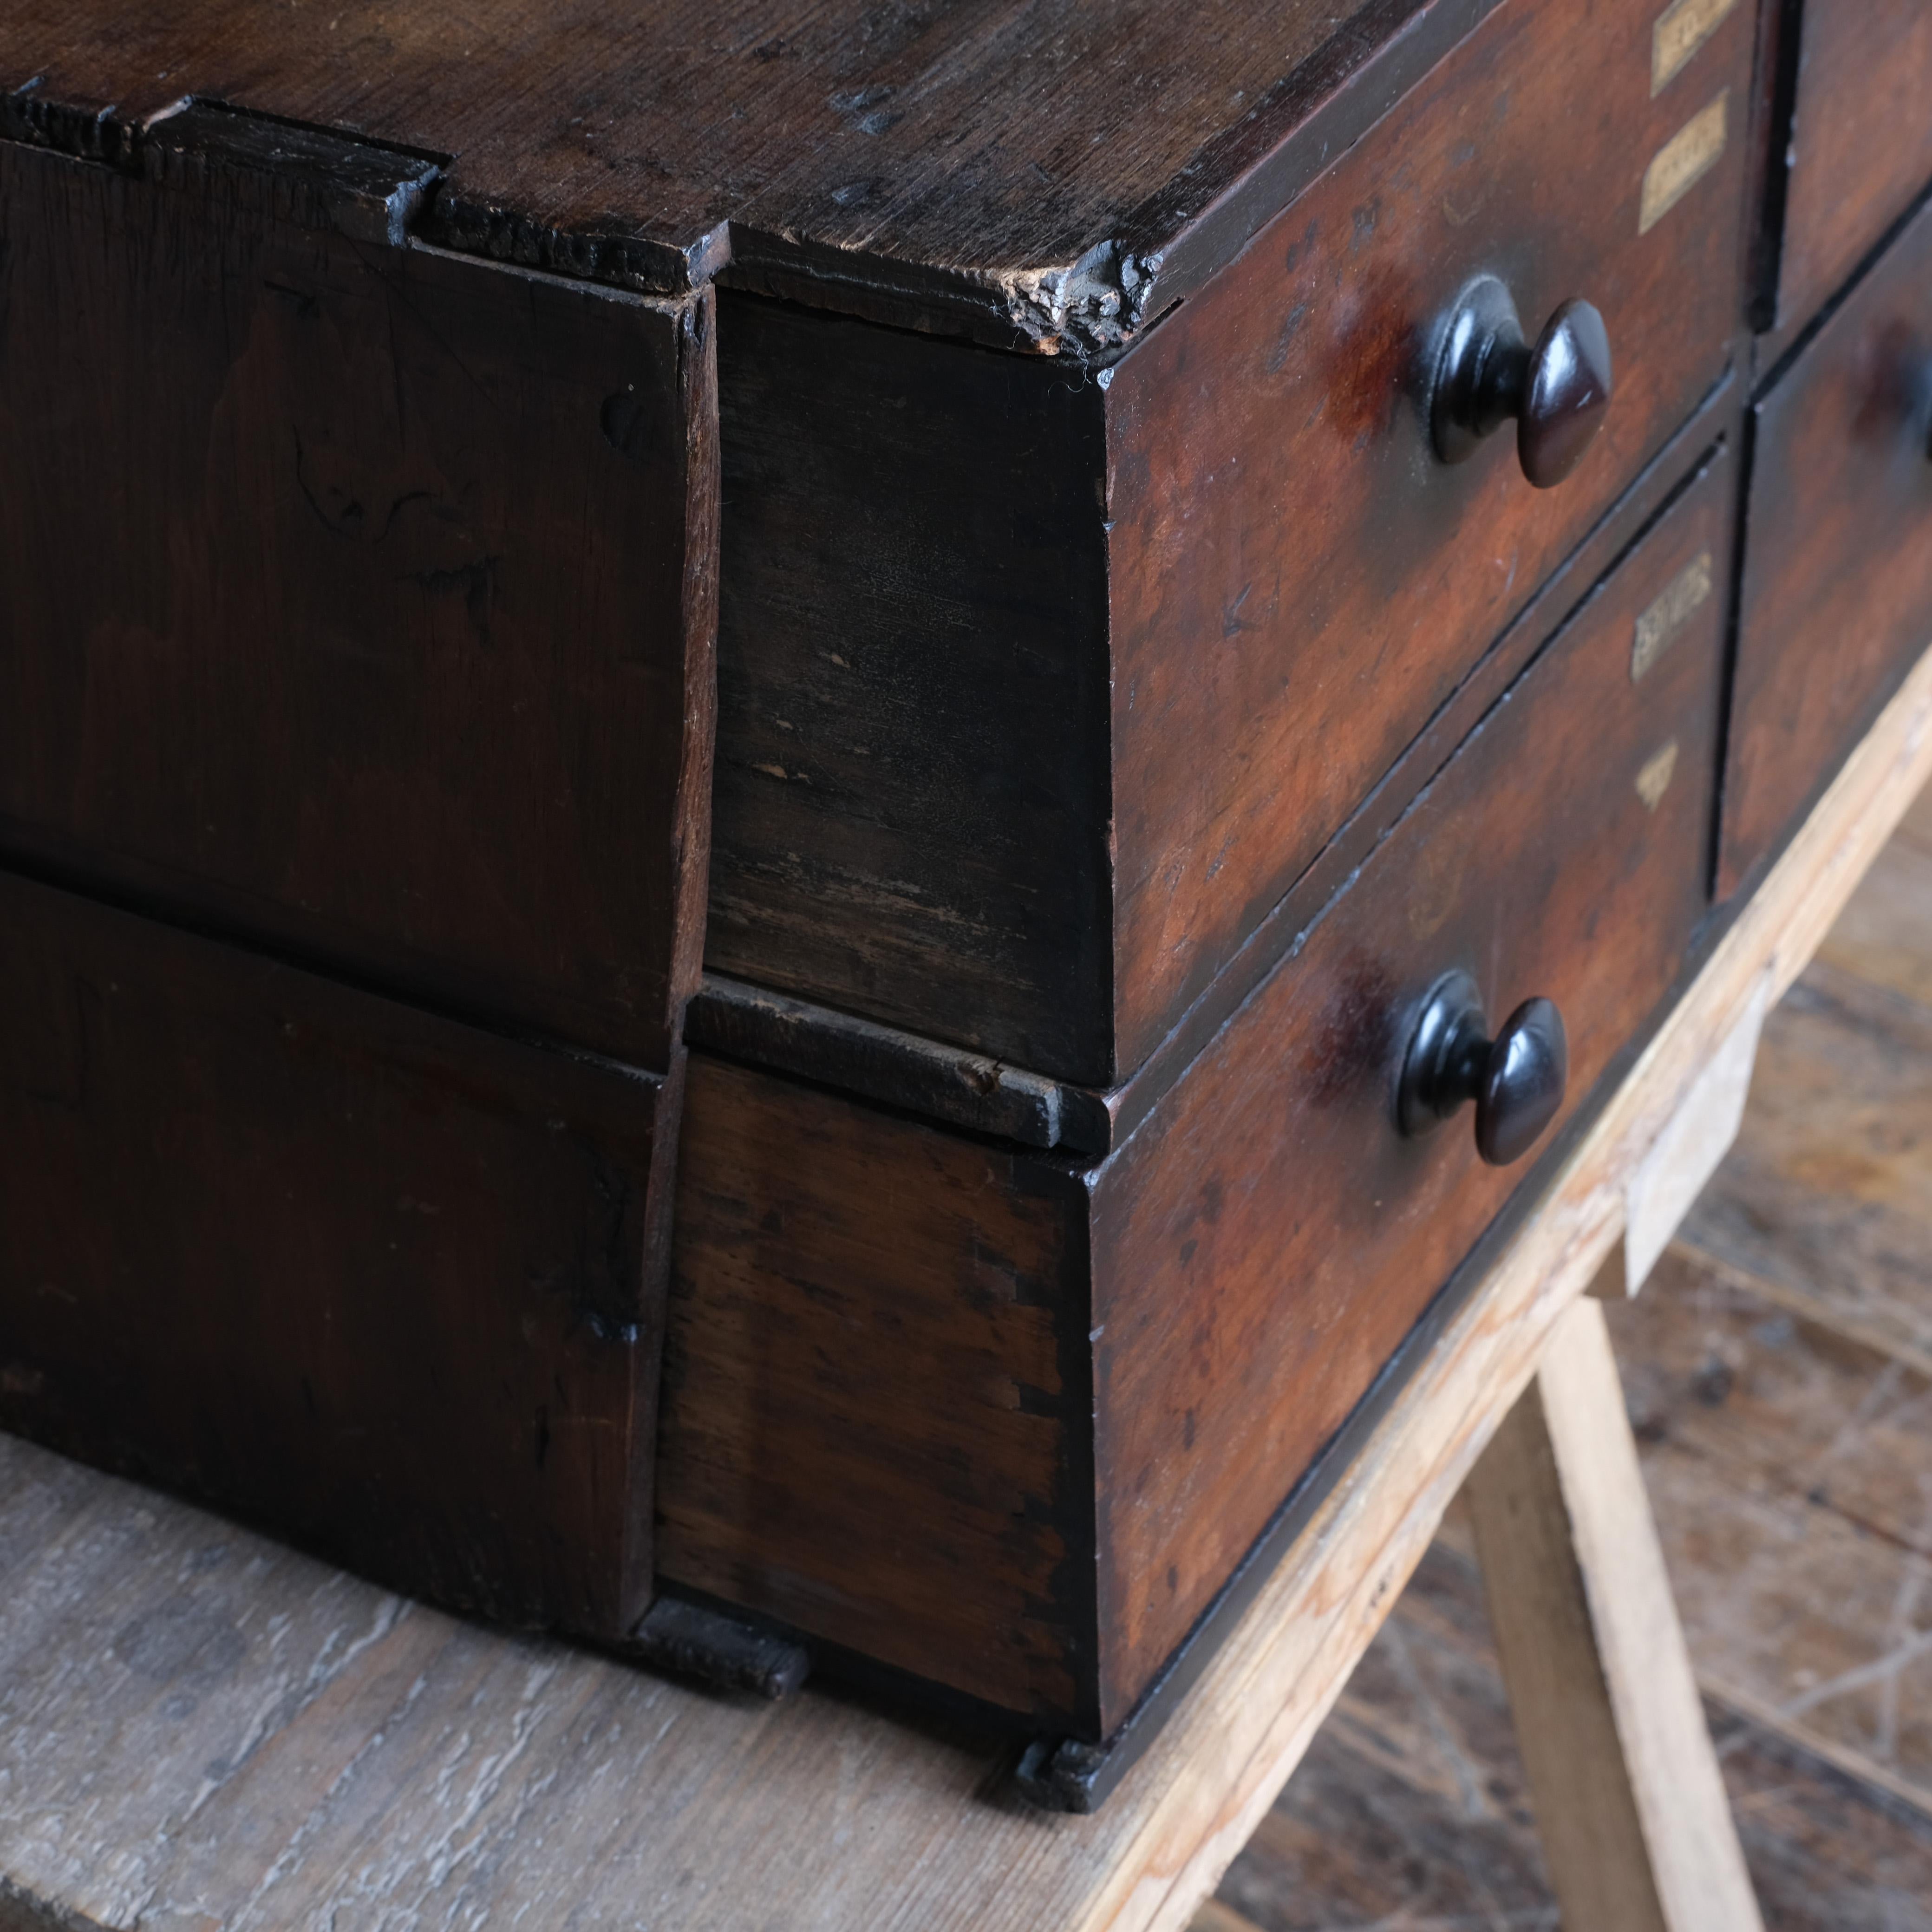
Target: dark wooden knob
{"x": 1517, "y": 1079}
{"x": 1486, "y": 373}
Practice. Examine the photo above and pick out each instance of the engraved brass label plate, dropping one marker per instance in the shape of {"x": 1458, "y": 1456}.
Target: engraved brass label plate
{"x": 1660, "y": 624}
{"x": 1681, "y": 29}
{"x": 1683, "y": 161}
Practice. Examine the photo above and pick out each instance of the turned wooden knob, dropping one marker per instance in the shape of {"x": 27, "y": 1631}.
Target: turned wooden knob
{"x": 1517, "y": 1079}
{"x": 1557, "y": 390}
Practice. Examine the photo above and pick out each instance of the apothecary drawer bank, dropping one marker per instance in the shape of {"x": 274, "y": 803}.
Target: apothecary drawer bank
{"x": 804, "y": 817}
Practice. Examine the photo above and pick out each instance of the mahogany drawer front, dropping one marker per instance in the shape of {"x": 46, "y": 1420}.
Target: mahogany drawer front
{"x": 1297, "y": 580}
{"x": 361, "y": 598}
{"x": 380, "y": 1282}
{"x": 1264, "y": 1243}
{"x": 1835, "y": 604}
{"x": 1861, "y": 143}
{"x": 1010, "y": 1422}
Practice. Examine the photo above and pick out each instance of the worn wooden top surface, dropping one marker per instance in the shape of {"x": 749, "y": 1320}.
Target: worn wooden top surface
{"x": 974, "y": 145}
{"x": 200, "y": 1732}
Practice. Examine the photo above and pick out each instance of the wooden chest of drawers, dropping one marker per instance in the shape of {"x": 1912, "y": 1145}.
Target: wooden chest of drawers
{"x": 772, "y": 787}
{"x": 1115, "y": 663}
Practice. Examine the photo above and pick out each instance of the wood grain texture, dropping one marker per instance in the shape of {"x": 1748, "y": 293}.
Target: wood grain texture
{"x": 1225, "y": 1325}
{"x": 382, "y": 627}
{"x": 1580, "y": 1782}
{"x": 875, "y": 1385}
{"x": 1828, "y": 1196}
{"x": 389, "y": 1284}
{"x": 1023, "y": 166}
{"x": 1791, "y": 1468}
{"x": 1837, "y": 585}
{"x": 1635, "y": 1823}
{"x": 1296, "y": 581}
{"x": 1441, "y": 1420}
{"x": 1689, "y": 452}
{"x": 457, "y": 1771}
{"x": 922, "y": 805}
{"x": 947, "y": 1085}
{"x": 1265, "y": 1240}
{"x": 1410, "y": 1809}
{"x": 809, "y": 739}
{"x": 1860, "y": 145}
{"x": 913, "y": 788}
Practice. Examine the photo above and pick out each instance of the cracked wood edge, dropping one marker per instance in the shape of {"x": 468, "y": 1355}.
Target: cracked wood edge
{"x": 1195, "y": 1800}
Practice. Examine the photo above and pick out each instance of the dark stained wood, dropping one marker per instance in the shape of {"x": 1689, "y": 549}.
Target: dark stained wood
{"x": 1836, "y": 601}
{"x": 1265, "y": 1241}
{"x": 1774, "y": 86}
{"x": 912, "y": 796}
{"x": 389, "y": 1284}
{"x": 891, "y": 1420}
{"x": 363, "y": 597}
{"x": 954, "y": 1084}
{"x": 723, "y": 1653}
{"x": 1028, "y": 723}
{"x": 875, "y": 1388}
{"x": 1297, "y": 584}
{"x": 192, "y": 1713}
{"x": 946, "y": 1084}
{"x": 928, "y": 1394}
{"x": 1860, "y": 144}
{"x": 1790, "y": 1465}
{"x": 1685, "y": 458}
{"x": 1024, "y": 168}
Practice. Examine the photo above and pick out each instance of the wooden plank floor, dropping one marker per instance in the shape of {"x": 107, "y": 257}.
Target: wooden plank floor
{"x": 1778, "y": 1368}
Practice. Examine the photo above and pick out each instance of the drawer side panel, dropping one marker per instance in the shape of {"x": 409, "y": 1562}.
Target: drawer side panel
{"x": 876, "y": 1393}
{"x": 359, "y": 598}
{"x": 384, "y": 1284}
{"x": 913, "y": 784}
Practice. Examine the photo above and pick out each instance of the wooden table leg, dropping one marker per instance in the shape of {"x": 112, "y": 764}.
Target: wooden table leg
{"x": 1623, "y": 1779}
